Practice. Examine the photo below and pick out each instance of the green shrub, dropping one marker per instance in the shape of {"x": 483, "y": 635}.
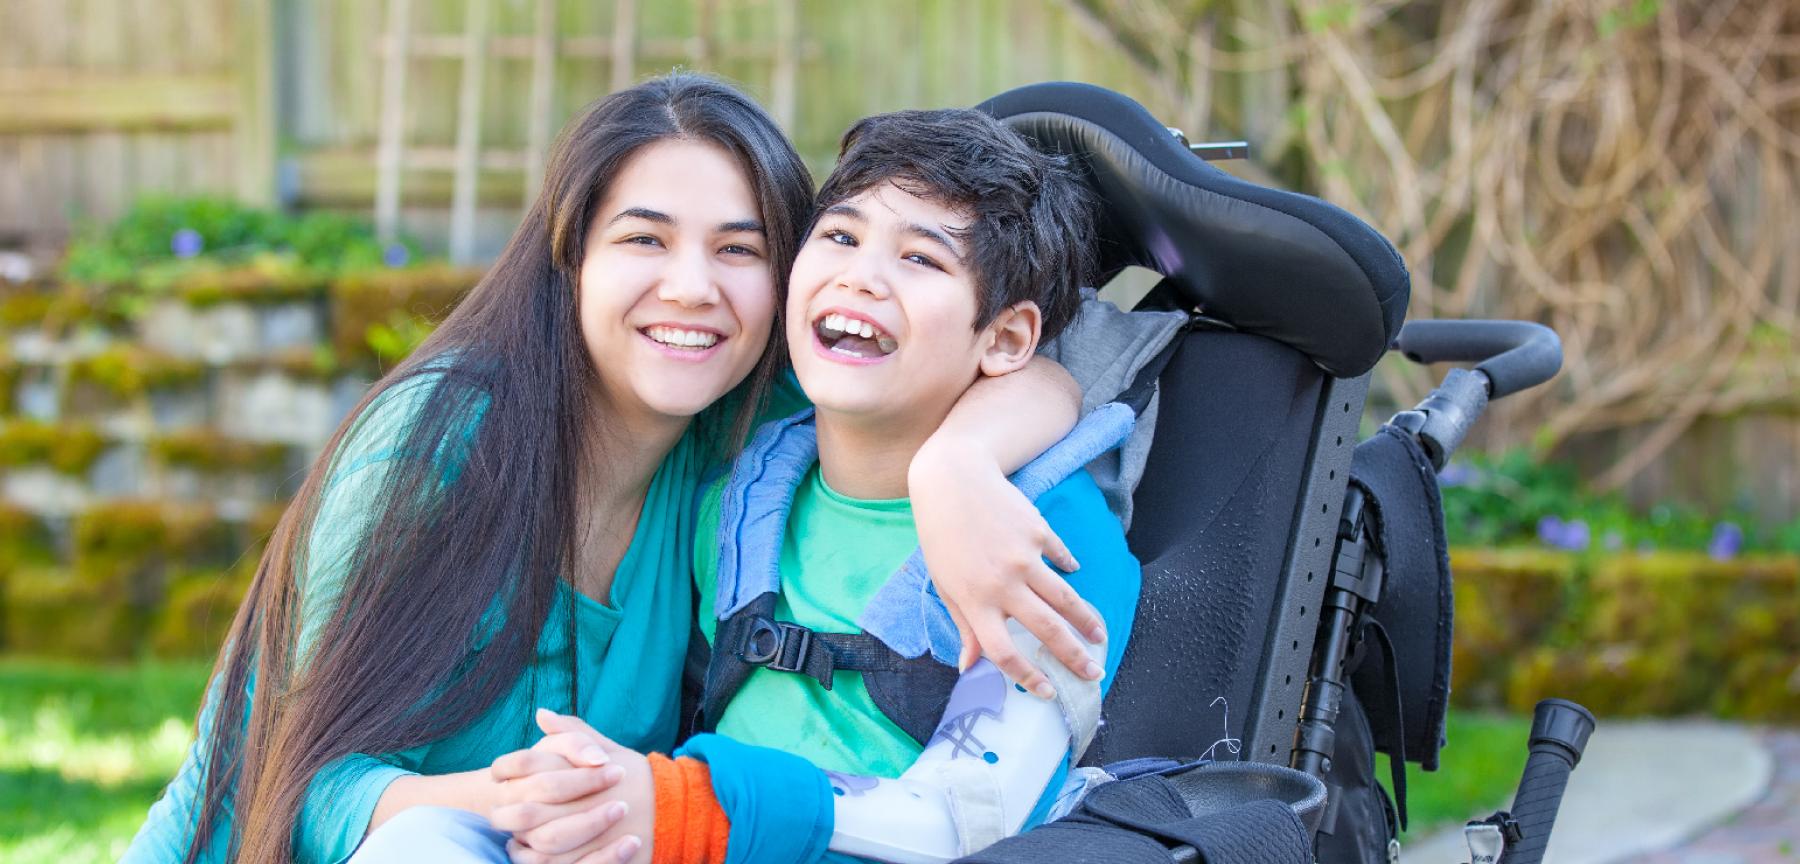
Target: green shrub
{"x": 196, "y": 614}
{"x": 1663, "y": 633}
{"x": 70, "y": 448}
{"x": 209, "y": 452}
{"x": 23, "y": 538}
{"x": 52, "y": 613}
{"x": 379, "y": 312}
{"x": 128, "y": 370}
{"x": 128, "y": 546}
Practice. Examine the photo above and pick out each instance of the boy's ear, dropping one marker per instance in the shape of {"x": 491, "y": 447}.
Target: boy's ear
{"x": 1012, "y": 338}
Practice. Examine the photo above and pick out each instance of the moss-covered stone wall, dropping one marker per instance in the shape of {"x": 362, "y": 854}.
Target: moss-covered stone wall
{"x": 1629, "y": 634}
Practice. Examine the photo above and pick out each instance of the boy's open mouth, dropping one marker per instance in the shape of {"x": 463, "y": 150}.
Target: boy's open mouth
{"x": 853, "y": 337}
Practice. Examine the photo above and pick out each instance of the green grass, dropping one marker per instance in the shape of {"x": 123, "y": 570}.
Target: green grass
{"x": 1477, "y": 774}
{"x": 84, "y": 750}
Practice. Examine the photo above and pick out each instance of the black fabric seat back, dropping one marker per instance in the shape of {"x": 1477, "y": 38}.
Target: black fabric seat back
{"x": 1214, "y": 517}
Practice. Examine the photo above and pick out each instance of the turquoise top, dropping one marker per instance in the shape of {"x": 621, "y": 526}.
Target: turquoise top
{"x": 629, "y": 650}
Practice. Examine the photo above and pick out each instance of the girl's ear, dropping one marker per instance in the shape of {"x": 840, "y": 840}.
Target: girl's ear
{"x": 1012, "y": 339}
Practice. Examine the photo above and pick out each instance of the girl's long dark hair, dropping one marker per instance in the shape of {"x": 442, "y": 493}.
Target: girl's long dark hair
{"x": 392, "y": 667}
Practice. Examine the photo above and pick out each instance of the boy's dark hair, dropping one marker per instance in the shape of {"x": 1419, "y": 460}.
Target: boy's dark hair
{"x": 1031, "y": 237}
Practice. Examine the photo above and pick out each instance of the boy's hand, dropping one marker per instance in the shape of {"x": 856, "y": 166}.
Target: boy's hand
{"x": 575, "y": 797}
{"x": 985, "y": 546}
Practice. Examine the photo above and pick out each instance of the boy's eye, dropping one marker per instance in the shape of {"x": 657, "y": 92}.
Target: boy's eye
{"x": 642, "y": 240}
{"x": 923, "y": 260}
{"x": 739, "y": 249}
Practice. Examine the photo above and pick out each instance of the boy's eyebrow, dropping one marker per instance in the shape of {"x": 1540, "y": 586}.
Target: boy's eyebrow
{"x": 912, "y": 228}
{"x": 934, "y": 236}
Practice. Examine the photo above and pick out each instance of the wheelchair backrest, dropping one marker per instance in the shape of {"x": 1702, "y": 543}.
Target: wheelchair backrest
{"x": 1236, "y": 516}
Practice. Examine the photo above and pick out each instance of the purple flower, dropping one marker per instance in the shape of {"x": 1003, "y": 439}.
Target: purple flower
{"x": 1727, "y": 541}
{"x": 1571, "y": 536}
{"x": 187, "y": 243}
{"x": 396, "y": 255}
{"x": 1550, "y": 531}
{"x": 1456, "y": 474}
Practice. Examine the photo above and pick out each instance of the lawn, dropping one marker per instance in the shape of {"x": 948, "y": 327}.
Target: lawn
{"x": 85, "y": 749}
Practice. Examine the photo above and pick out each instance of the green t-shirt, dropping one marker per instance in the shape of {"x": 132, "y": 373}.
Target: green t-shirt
{"x": 628, "y": 650}
{"x": 852, "y": 547}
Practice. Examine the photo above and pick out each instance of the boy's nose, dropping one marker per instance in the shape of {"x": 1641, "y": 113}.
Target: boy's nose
{"x": 863, "y": 275}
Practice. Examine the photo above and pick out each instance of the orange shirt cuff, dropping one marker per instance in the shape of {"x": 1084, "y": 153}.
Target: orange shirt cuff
{"x": 691, "y": 827}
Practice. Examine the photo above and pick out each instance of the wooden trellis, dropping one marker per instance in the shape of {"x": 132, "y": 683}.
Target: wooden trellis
{"x": 468, "y": 157}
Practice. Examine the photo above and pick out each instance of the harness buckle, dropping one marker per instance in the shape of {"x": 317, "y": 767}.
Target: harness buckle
{"x": 776, "y": 645}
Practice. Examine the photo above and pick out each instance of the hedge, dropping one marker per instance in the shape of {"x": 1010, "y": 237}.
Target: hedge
{"x": 1634, "y": 634}
{"x": 1657, "y": 634}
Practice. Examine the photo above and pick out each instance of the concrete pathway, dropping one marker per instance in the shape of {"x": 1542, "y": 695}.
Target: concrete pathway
{"x": 1691, "y": 792}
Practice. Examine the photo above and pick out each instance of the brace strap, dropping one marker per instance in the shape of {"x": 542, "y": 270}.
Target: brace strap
{"x": 975, "y": 803}
{"x": 1077, "y": 698}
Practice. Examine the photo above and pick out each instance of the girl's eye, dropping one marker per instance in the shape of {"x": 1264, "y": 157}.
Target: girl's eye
{"x": 923, "y": 260}
{"x": 838, "y": 236}
{"x": 642, "y": 240}
{"x": 739, "y": 249}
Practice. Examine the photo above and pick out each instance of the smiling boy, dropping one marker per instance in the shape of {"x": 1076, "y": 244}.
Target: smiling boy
{"x": 945, "y": 249}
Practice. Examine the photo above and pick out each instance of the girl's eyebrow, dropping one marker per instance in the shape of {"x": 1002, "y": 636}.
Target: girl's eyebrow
{"x": 846, "y": 211}
{"x": 643, "y": 213}
{"x": 742, "y": 225}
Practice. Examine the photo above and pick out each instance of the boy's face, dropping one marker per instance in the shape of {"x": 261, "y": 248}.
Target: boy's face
{"x": 881, "y": 310}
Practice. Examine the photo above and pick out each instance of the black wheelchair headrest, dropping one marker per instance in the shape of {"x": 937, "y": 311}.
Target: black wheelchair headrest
{"x": 1278, "y": 264}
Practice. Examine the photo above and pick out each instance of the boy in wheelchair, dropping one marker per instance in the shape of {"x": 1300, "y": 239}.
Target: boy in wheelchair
{"x": 945, "y": 249}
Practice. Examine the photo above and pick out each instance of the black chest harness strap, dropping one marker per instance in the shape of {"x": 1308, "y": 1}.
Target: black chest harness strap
{"x": 912, "y": 693}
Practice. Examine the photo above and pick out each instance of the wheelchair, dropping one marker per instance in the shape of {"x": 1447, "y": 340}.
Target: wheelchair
{"x": 1296, "y": 603}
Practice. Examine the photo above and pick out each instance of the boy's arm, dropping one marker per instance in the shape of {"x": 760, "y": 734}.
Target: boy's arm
{"x": 984, "y": 543}
{"x": 998, "y": 749}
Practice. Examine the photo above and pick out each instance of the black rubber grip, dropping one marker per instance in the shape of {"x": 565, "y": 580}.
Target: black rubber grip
{"x": 1516, "y": 355}
{"x": 1559, "y": 734}
{"x": 1451, "y": 411}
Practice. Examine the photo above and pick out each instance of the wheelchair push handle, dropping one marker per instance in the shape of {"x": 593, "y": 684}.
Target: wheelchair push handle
{"x": 1510, "y": 356}
{"x": 1513, "y": 355}
{"x": 1559, "y": 734}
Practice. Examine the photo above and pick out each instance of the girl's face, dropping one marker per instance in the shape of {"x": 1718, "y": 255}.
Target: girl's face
{"x": 676, "y": 298}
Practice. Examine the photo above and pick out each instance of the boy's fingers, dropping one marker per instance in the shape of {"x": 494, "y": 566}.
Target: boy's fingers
{"x": 997, "y": 645}
{"x": 1062, "y": 642}
{"x": 1058, "y": 553}
{"x": 571, "y": 832}
{"x": 971, "y": 647}
{"x": 523, "y": 763}
{"x": 1062, "y": 597}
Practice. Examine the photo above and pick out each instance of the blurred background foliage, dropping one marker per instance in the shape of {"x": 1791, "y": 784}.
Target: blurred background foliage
{"x": 207, "y": 275}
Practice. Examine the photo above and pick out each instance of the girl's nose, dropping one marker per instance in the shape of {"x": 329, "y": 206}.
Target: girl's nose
{"x": 688, "y": 282}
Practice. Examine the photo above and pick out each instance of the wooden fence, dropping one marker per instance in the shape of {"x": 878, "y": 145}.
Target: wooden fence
{"x": 101, "y": 100}
{"x": 434, "y": 115}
